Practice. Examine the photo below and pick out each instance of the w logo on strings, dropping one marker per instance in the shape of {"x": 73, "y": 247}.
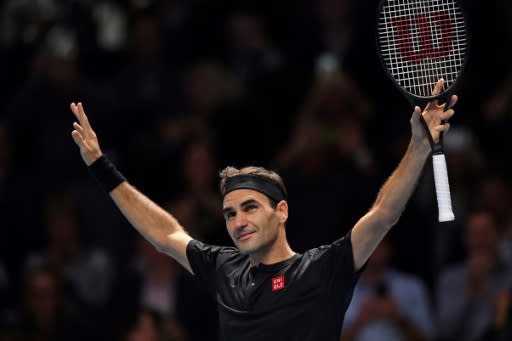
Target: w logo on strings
{"x": 420, "y": 37}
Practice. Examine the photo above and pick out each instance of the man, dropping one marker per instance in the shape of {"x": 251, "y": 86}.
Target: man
{"x": 468, "y": 292}
{"x": 264, "y": 290}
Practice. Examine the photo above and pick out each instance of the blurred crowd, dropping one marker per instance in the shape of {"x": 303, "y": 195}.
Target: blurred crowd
{"x": 178, "y": 89}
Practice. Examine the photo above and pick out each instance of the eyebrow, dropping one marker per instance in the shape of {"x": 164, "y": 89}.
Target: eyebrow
{"x": 243, "y": 204}
{"x": 249, "y": 202}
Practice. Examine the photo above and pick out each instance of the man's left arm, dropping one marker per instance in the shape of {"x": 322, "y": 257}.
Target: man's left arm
{"x": 398, "y": 188}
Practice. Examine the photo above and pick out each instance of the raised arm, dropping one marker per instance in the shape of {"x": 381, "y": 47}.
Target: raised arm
{"x": 156, "y": 225}
{"x": 398, "y": 188}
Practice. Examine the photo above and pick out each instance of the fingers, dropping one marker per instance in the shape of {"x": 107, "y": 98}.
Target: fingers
{"x": 417, "y": 112}
{"x": 77, "y": 137}
{"x": 453, "y": 101}
{"x": 79, "y": 112}
{"x": 85, "y": 120}
{"x": 438, "y": 88}
{"x": 78, "y": 127}
{"x": 447, "y": 114}
{"x": 443, "y": 127}
{"x": 450, "y": 104}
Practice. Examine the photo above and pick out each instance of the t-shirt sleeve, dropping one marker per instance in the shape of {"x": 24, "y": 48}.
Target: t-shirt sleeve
{"x": 204, "y": 262}
{"x": 337, "y": 261}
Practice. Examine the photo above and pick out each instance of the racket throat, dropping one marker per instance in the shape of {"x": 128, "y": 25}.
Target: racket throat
{"x": 437, "y": 147}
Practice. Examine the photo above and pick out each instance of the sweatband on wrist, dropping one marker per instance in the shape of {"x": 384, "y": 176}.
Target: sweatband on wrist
{"x": 106, "y": 173}
{"x": 257, "y": 183}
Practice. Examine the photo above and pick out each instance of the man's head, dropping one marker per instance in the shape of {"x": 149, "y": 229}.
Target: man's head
{"x": 256, "y": 178}
{"x": 255, "y": 208}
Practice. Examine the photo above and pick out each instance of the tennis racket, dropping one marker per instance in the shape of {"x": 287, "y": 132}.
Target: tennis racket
{"x": 420, "y": 42}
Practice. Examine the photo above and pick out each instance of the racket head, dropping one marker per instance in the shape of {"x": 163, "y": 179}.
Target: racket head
{"x": 421, "y": 41}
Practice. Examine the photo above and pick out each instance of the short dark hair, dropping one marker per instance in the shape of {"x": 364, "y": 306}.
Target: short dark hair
{"x": 267, "y": 174}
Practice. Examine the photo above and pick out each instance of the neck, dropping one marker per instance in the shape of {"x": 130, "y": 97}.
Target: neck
{"x": 277, "y": 252}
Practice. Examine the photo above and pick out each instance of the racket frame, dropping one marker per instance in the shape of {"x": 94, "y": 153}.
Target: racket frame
{"x": 438, "y": 158}
{"x": 414, "y": 99}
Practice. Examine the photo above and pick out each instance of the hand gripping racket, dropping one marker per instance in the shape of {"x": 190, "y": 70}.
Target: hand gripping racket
{"x": 419, "y": 42}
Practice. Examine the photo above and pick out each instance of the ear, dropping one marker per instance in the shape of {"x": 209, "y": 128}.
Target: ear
{"x": 282, "y": 211}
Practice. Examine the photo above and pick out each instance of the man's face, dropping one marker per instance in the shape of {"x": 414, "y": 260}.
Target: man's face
{"x": 252, "y": 222}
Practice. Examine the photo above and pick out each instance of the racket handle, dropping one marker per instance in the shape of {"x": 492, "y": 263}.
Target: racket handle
{"x": 444, "y": 201}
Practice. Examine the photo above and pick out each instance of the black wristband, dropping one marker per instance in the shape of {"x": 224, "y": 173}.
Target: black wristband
{"x": 106, "y": 173}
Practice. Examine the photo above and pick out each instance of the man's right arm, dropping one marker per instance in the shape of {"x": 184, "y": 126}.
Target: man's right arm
{"x": 158, "y": 226}
{"x": 154, "y": 223}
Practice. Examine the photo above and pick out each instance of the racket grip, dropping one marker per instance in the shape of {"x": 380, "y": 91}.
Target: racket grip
{"x": 444, "y": 201}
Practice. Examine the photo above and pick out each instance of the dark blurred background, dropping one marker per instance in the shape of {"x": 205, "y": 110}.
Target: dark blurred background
{"x": 178, "y": 89}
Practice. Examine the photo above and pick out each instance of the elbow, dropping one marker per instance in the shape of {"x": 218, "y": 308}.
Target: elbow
{"x": 158, "y": 245}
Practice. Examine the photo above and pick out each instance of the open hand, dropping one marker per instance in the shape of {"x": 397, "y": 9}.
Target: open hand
{"x": 84, "y": 136}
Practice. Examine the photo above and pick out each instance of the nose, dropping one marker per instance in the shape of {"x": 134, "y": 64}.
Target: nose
{"x": 240, "y": 220}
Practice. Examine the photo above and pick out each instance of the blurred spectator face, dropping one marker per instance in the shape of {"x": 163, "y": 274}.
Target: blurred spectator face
{"x": 62, "y": 228}
{"x": 62, "y": 71}
{"x": 206, "y": 86}
{"x": 247, "y": 33}
{"x": 146, "y": 329}
{"x": 333, "y": 12}
{"x": 481, "y": 233}
{"x": 378, "y": 264}
{"x": 331, "y": 100}
{"x": 199, "y": 166}
{"x": 61, "y": 223}
{"x": 174, "y": 331}
{"x": 57, "y": 60}
{"x": 381, "y": 256}
{"x": 43, "y": 296}
{"x": 332, "y": 95}
{"x": 147, "y": 38}
{"x": 495, "y": 196}
{"x": 461, "y": 153}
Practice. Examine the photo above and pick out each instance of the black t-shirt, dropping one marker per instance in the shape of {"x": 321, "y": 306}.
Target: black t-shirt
{"x": 302, "y": 298}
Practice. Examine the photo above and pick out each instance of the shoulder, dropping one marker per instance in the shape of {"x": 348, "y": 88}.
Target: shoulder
{"x": 197, "y": 246}
{"x": 343, "y": 243}
{"x": 212, "y": 253}
{"x": 336, "y": 257}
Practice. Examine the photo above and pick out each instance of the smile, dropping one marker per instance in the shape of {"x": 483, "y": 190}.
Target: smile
{"x": 245, "y": 235}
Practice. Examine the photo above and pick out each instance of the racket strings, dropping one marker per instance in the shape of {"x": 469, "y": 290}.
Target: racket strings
{"x": 421, "y": 41}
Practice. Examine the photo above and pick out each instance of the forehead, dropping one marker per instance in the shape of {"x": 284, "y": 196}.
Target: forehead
{"x": 238, "y": 196}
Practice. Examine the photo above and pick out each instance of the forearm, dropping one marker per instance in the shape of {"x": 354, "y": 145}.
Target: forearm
{"x": 156, "y": 225}
{"x": 398, "y": 188}
{"x": 388, "y": 206}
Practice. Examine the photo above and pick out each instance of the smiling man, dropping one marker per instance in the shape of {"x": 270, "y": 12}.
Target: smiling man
{"x": 263, "y": 289}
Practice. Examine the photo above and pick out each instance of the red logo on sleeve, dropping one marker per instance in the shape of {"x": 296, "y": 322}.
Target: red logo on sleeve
{"x": 278, "y": 283}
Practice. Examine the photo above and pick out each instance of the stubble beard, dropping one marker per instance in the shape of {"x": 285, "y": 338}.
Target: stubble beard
{"x": 261, "y": 247}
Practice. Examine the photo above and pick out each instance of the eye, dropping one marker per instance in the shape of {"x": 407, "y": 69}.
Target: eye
{"x": 251, "y": 207}
{"x": 229, "y": 215}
